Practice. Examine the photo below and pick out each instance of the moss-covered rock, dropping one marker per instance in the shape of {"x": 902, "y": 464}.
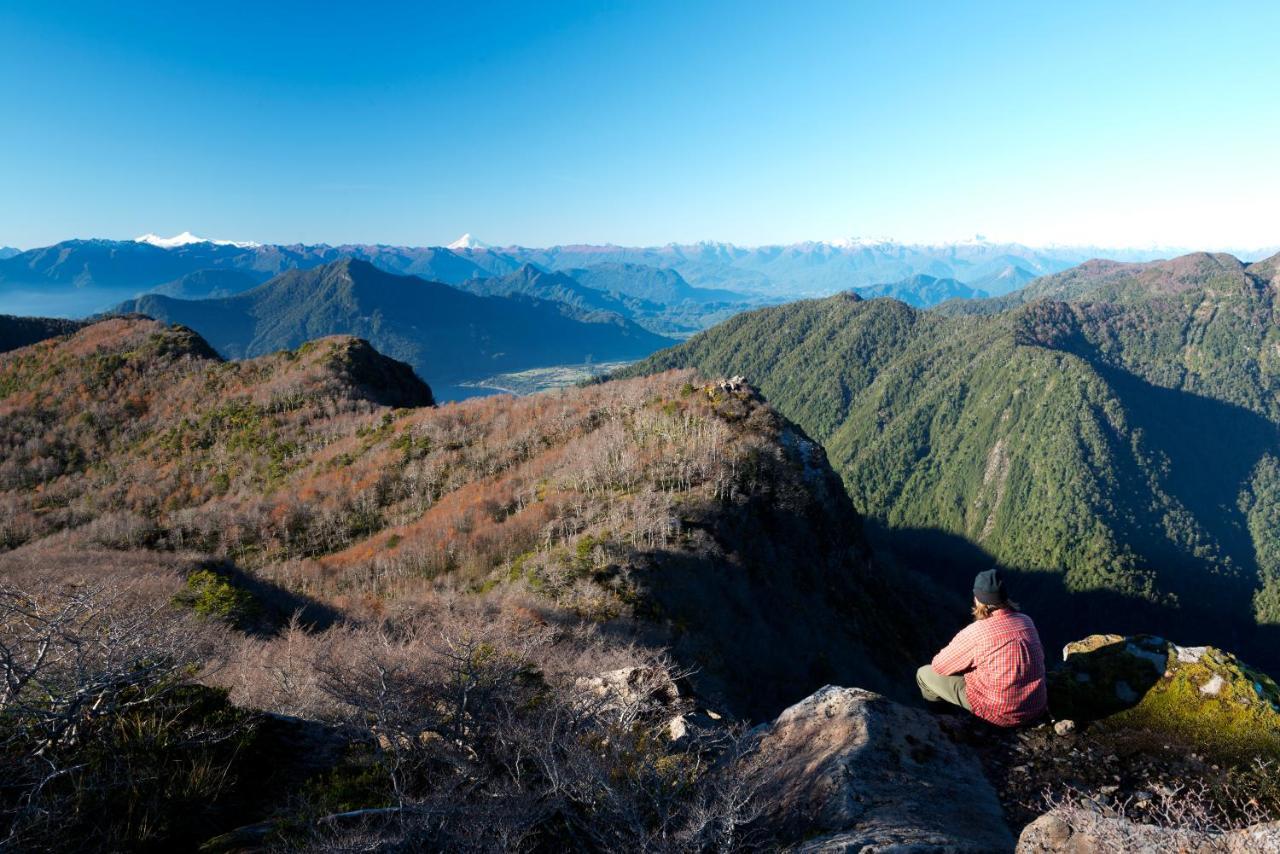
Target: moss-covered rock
{"x": 1198, "y": 696}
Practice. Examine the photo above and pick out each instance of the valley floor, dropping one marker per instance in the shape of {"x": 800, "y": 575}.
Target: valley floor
{"x": 533, "y": 380}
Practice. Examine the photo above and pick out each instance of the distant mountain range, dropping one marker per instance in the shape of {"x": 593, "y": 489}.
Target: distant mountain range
{"x": 8, "y": 252}
{"x": 659, "y": 300}
{"x": 79, "y": 277}
{"x": 923, "y": 291}
{"x": 820, "y": 269}
{"x": 1109, "y": 434}
{"x": 447, "y": 335}
{"x": 1005, "y": 281}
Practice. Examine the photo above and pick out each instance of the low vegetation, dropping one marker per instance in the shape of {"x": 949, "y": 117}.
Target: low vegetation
{"x": 442, "y": 591}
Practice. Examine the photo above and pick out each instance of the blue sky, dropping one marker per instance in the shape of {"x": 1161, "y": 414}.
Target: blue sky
{"x": 540, "y": 123}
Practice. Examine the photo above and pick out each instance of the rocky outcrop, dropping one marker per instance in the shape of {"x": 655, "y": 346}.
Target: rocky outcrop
{"x": 630, "y": 693}
{"x": 1202, "y": 695}
{"x": 850, "y": 770}
{"x": 1082, "y": 832}
{"x": 380, "y": 378}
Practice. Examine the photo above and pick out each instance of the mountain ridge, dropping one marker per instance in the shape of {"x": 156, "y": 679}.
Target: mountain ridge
{"x": 922, "y": 290}
{"x": 448, "y": 335}
{"x": 336, "y": 421}
{"x": 126, "y": 268}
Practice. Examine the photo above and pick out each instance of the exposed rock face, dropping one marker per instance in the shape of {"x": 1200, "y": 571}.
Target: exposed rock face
{"x": 853, "y": 771}
{"x": 1080, "y": 832}
{"x": 1202, "y": 694}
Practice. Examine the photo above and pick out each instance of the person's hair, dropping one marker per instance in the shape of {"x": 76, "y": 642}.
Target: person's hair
{"x": 981, "y": 610}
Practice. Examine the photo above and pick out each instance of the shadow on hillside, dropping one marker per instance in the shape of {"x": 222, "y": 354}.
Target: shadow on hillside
{"x": 1062, "y": 615}
{"x": 1205, "y": 451}
{"x": 278, "y": 604}
{"x": 1201, "y": 453}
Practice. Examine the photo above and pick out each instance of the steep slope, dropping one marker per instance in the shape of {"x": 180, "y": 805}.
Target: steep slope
{"x": 658, "y": 510}
{"x": 447, "y": 335}
{"x": 1110, "y": 281}
{"x": 1121, "y": 448}
{"x": 658, "y": 300}
{"x": 18, "y": 332}
{"x": 115, "y": 391}
{"x": 661, "y": 300}
{"x": 922, "y": 291}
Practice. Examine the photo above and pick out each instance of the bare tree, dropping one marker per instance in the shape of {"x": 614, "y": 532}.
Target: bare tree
{"x": 70, "y": 660}
{"x": 485, "y": 750}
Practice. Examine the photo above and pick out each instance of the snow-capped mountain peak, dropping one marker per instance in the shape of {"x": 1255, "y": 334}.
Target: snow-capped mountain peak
{"x": 862, "y": 242}
{"x": 186, "y": 238}
{"x": 466, "y": 241}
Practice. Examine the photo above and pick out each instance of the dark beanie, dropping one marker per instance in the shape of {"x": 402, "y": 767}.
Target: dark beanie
{"x": 988, "y": 587}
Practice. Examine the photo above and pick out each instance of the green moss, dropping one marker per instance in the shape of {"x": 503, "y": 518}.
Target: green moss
{"x": 1241, "y": 718}
{"x": 1202, "y": 697}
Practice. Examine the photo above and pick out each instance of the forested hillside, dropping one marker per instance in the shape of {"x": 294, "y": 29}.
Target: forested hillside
{"x": 447, "y": 335}
{"x": 1117, "y": 451}
{"x": 18, "y": 332}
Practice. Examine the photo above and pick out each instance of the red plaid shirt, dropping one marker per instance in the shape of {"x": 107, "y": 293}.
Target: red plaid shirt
{"x": 1003, "y": 666}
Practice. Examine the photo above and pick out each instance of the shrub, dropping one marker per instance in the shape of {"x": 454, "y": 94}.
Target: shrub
{"x": 212, "y": 595}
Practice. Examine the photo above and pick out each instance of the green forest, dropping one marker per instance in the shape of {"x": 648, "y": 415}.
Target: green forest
{"x": 1108, "y": 435}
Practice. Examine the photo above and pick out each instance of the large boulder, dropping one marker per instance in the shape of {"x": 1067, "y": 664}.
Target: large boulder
{"x": 1071, "y": 831}
{"x": 1199, "y": 695}
{"x": 849, "y": 770}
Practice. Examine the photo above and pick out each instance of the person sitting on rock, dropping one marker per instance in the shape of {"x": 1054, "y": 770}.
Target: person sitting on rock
{"x": 994, "y": 667}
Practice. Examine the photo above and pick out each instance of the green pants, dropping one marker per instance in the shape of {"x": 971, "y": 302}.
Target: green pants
{"x": 934, "y": 687}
